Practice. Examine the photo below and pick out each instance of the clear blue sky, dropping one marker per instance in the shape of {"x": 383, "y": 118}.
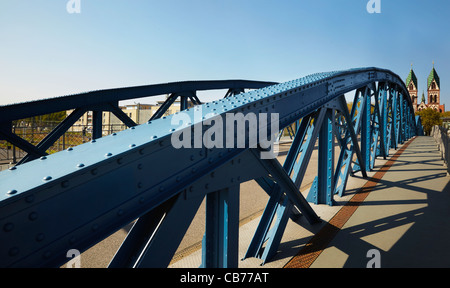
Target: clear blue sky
{"x": 47, "y": 52}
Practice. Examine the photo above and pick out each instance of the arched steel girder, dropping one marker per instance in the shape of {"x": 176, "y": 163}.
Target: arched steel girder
{"x": 75, "y": 198}
{"x": 106, "y": 100}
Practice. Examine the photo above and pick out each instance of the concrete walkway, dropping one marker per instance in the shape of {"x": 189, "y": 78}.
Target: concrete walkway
{"x": 406, "y": 216}
{"x": 401, "y": 219}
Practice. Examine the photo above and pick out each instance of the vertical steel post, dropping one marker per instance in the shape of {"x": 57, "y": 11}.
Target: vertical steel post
{"x": 365, "y": 131}
{"x": 320, "y": 192}
{"x": 405, "y": 119}
{"x": 221, "y": 241}
{"x": 393, "y": 124}
{"x": 401, "y": 130}
{"x": 97, "y": 122}
{"x": 384, "y": 121}
{"x": 376, "y": 127}
{"x": 184, "y": 102}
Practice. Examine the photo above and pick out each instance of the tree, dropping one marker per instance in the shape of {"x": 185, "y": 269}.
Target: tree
{"x": 429, "y": 118}
{"x": 42, "y": 120}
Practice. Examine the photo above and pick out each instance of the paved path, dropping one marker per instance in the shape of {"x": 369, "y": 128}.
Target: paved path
{"x": 402, "y": 215}
{"x": 405, "y": 216}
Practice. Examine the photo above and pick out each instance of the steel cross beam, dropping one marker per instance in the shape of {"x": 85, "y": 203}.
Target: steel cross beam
{"x": 104, "y": 100}
{"x": 75, "y": 198}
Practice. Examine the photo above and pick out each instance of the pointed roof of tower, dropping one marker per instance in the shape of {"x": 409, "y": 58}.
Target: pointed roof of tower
{"x": 423, "y": 97}
{"x": 411, "y": 77}
{"x": 433, "y": 76}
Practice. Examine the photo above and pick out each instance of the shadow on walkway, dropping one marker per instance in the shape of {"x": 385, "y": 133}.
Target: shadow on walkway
{"x": 406, "y": 217}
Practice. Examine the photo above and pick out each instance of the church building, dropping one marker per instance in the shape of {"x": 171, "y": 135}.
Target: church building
{"x": 433, "y": 92}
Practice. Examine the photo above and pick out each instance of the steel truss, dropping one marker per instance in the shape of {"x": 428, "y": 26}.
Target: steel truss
{"x": 75, "y": 198}
{"x": 106, "y": 100}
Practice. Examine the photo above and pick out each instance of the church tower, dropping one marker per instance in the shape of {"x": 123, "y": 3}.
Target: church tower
{"x": 411, "y": 84}
{"x": 434, "y": 91}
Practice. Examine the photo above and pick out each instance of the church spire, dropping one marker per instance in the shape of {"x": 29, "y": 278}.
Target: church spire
{"x": 412, "y": 77}
{"x": 433, "y": 76}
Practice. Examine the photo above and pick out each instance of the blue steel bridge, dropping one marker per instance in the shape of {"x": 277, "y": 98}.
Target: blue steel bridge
{"x": 50, "y": 204}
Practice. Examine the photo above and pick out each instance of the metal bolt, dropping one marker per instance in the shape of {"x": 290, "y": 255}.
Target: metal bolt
{"x": 8, "y": 227}
{"x": 12, "y": 192}
{"x": 65, "y": 184}
{"x": 33, "y": 216}
{"x": 29, "y": 199}
{"x": 40, "y": 237}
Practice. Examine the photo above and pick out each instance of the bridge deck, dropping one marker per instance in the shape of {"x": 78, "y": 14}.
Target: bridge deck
{"x": 404, "y": 214}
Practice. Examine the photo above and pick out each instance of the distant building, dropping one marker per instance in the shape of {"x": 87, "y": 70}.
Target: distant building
{"x": 433, "y": 91}
{"x": 139, "y": 113}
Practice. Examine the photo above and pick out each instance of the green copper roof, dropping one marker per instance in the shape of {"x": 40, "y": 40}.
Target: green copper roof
{"x": 423, "y": 97}
{"x": 412, "y": 76}
{"x": 433, "y": 75}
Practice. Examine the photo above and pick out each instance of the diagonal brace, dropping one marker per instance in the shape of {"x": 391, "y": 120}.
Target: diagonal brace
{"x": 274, "y": 168}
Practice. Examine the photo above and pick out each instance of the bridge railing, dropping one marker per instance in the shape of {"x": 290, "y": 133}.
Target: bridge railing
{"x": 441, "y": 136}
